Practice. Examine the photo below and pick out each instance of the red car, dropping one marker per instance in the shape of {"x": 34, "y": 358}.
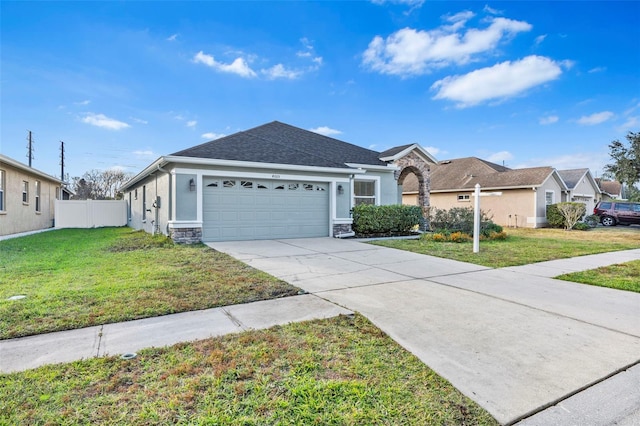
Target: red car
{"x": 618, "y": 212}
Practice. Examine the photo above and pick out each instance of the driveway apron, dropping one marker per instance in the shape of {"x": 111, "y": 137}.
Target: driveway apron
{"x": 514, "y": 342}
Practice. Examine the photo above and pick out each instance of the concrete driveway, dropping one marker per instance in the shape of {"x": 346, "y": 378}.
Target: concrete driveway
{"x": 513, "y": 340}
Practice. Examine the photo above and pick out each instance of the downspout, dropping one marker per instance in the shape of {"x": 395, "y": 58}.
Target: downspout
{"x": 156, "y": 228}
{"x": 535, "y": 208}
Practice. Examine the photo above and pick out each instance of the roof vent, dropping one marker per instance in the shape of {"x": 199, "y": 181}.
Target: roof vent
{"x": 445, "y": 162}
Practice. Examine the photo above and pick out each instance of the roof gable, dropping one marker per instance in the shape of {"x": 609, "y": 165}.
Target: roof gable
{"x": 398, "y": 152}
{"x": 572, "y": 177}
{"x": 456, "y": 173}
{"x": 281, "y": 143}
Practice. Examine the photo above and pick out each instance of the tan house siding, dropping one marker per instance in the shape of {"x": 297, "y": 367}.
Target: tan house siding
{"x": 513, "y": 208}
{"x": 17, "y": 215}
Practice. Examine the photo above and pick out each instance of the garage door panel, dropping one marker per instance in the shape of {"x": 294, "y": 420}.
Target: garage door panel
{"x": 243, "y": 209}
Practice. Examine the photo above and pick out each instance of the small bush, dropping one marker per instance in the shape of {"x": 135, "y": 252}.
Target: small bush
{"x": 385, "y": 220}
{"x": 439, "y": 238}
{"x": 592, "y": 220}
{"x": 582, "y": 226}
{"x": 498, "y": 236}
{"x": 459, "y": 219}
{"x": 555, "y": 219}
{"x": 489, "y": 228}
{"x": 459, "y": 237}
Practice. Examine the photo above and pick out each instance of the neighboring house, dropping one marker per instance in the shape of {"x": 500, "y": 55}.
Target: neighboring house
{"x": 27, "y": 197}
{"x": 525, "y": 193}
{"x": 582, "y": 187}
{"x": 272, "y": 181}
{"x": 611, "y": 189}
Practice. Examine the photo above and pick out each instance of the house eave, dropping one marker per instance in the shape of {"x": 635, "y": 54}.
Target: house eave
{"x": 25, "y": 168}
{"x": 387, "y": 168}
{"x": 175, "y": 159}
{"x": 423, "y": 152}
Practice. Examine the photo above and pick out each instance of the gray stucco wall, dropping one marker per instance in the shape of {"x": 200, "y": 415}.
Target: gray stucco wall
{"x": 186, "y": 199}
{"x": 343, "y": 205}
{"x": 144, "y": 215}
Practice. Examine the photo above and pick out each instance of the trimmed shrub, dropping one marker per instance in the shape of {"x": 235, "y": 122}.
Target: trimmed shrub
{"x": 460, "y": 219}
{"x": 592, "y": 220}
{"x": 385, "y": 220}
{"x": 554, "y": 217}
{"x": 581, "y": 226}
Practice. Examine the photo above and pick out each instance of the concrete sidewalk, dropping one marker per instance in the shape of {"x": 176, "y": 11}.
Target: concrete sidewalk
{"x": 131, "y": 336}
{"x": 512, "y": 339}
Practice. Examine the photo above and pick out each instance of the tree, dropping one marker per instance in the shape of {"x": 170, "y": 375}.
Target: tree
{"x": 626, "y": 160}
{"x": 99, "y": 184}
{"x": 572, "y": 213}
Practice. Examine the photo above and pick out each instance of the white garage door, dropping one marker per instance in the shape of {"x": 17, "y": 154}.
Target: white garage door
{"x": 248, "y": 209}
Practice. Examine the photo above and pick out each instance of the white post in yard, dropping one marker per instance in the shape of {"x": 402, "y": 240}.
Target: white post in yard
{"x": 476, "y": 220}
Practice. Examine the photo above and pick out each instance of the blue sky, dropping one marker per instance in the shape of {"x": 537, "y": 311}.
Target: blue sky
{"x": 122, "y": 83}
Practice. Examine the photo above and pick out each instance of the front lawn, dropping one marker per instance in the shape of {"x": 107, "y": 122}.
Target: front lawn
{"x": 336, "y": 371}
{"x": 75, "y": 278}
{"x": 524, "y": 246}
{"x": 624, "y": 276}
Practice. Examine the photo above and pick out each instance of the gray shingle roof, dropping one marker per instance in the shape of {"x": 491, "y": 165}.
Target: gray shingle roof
{"x": 281, "y": 143}
{"x": 455, "y": 174}
{"x": 572, "y": 177}
{"x": 393, "y": 151}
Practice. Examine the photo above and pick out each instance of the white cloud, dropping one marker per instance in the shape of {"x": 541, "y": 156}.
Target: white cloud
{"x": 146, "y": 154}
{"x": 172, "y": 37}
{"x": 239, "y": 66}
{"x": 327, "y": 131}
{"x": 412, "y": 3}
{"x": 139, "y": 120}
{"x": 630, "y": 124}
{"x": 549, "y": 119}
{"x": 211, "y": 136}
{"x": 101, "y": 120}
{"x": 596, "y": 118}
{"x": 434, "y": 151}
{"x": 413, "y": 52}
{"x": 192, "y": 123}
{"x": 597, "y": 69}
{"x": 85, "y": 102}
{"x": 500, "y": 157}
{"x": 538, "y": 41}
{"x": 491, "y": 10}
{"x": 500, "y": 81}
{"x": 279, "y": 71}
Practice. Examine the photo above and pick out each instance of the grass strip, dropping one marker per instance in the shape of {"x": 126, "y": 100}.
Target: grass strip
{"x": 525, "y": 246}
{"x": 76, "y": 278}
{"x": 335, "y": 371}
{"x": 624, "y": 276}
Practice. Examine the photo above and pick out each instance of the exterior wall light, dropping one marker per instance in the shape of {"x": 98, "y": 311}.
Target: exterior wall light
{"x": 192, "y": 184}
{"x": 340, "y": 190}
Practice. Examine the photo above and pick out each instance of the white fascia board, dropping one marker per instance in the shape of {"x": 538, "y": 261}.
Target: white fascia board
{"x": 492, "y": 188}
{"x": 153, "y": 167}
{"x": 256, "y": 165}
{"x": 364, "y": 167}
{"x": 25, "y": 168}
{"x": 421, "y": 151}
{"x": 237, "y": 174}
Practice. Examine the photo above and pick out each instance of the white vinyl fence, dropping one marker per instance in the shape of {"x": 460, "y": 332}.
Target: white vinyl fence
{"x": 90, "y": 213}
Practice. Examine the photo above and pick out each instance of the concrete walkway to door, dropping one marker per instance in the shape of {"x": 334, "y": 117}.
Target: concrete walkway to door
{"x": 513, "y": 339}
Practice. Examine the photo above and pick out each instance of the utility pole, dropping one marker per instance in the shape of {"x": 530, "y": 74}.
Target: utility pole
{"x": 62, "y": 161}
{"x": 30, "y": 148}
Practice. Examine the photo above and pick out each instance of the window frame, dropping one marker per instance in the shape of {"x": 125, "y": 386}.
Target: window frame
{"x": 2, "y": 191}
{"x": 37, "y": 186}
{"x": 358, "y": 199}
{"x": 25, "y": 192}
{"x": 464, "y": 198}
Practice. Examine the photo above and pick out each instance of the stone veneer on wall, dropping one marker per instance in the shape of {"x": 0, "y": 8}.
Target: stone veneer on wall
{"x": 342, "y": 228}
{"x": 186, "y": 235}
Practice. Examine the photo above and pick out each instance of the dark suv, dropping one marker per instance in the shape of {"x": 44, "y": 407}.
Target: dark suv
{"x": 618, "y": 212}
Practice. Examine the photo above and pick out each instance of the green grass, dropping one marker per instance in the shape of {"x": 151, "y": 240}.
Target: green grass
{"x": 340, "y": 371}
{"x": 525, "y": 246}
{"x": 624, "y": 276}
{"x": 82, "y": 277}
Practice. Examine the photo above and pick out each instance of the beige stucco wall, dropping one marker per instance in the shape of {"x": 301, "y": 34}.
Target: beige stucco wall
{"x": 22, "y": 217}
{"x": 514, "y": 208}
{"x": 410, "y": 199}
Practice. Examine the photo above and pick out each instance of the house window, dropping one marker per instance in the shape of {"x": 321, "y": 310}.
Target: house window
{"x": 25, "y": 192}
{"x": 464, "y": 197}
{"x": 548, "y": 200}
{"x": 37, "y": 185}
{"x": 144, "y": 202}
{"x": 2, "y": 184}
{"x": 365, "y": 192}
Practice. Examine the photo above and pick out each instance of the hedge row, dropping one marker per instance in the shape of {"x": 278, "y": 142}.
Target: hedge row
{"x": 385, "y": 220}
